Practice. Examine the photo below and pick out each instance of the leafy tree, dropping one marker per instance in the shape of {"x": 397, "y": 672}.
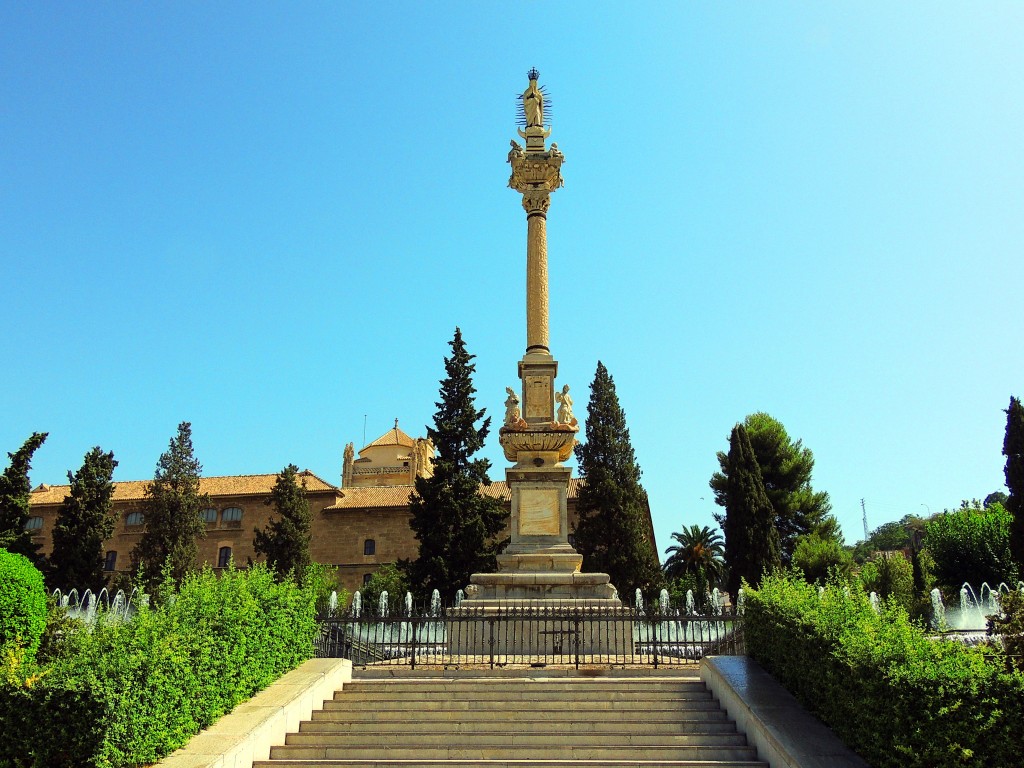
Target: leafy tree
{"x": 697, "y": 551}
{"x": 388, "y": 578}
{"x": 83, "y": 523}
{"x": 996, "y": 497}
{"x": 14, "y": 497}
{"x": 891, "y": 577}
{"x": 786, "y": 467}
{"x": 611, "y": 531}
{"x": 888, "y": 537}
{"x": 1013, "y": 450}
{"x": 456, "y": 526}
{"x": 972, "y": 545}
{"x": 751, "y": 538}
{"x": 285, "y": 541}
{"x": 820, "y": 558}
{"x": 171, "y": 509}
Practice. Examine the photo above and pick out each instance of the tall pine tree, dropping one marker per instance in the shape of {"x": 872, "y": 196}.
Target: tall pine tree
{"x": 14, "y": 496}
{"x": 786, "y": 467}
{"x": 751, "y": 538}
{"x": 611, "y": 532}
{"x": 1013, "y": 450}
{"x": 171, "y": 510}
{"x": 84, "y": 522}
{"x": 456, "y": 526}
{"x": 285, "y": 540}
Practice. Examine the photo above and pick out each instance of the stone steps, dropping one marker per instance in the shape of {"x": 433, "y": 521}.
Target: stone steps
{"x": 525, "y": 722}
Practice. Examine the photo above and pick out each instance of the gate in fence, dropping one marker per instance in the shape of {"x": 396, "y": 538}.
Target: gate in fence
{"x": 531, "y": 637}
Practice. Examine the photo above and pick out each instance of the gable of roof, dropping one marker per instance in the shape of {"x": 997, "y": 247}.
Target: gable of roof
{"x": 227, "y": 485}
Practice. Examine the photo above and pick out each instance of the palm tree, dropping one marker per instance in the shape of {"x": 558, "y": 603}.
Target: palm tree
{"x": 698, "y": 552}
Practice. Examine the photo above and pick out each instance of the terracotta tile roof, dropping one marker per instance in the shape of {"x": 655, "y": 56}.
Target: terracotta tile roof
{"x": 228, "y": 485}
{"x": 392, "y": 437}
{"x": 398, "y": 495}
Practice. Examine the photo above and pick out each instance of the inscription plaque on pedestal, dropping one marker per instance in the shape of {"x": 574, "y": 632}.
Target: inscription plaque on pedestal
{"x": 538, "y": 397}
{"x": 539, "y": 513}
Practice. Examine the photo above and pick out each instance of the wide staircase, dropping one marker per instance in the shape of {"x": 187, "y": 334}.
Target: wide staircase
{"x": 529, "y": 722}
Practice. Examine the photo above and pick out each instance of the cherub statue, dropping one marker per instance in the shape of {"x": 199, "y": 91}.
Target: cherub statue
{"x": 513, "y": 414}
{"x": 564, "y": 413}
{"x": 555, "y": 151}
{"x": 516, "y": 151}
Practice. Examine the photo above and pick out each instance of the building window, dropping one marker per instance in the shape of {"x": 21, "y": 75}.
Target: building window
{"x": 369, "y": 547}
{"x": 34, "y": 524}
{"x": 208, "y": 516}
{"x": 134, "y": 518}
{"x": 232, "y": 516}
{"x": 366, "y": 578}
{"x": 224, "y": 557}
{"x": 110, "y": 561}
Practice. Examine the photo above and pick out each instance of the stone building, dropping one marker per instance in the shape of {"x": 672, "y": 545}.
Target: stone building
{"x": 357, "y": 526}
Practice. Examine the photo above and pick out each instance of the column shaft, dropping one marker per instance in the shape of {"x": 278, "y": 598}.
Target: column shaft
{"x": 537, "y": 283}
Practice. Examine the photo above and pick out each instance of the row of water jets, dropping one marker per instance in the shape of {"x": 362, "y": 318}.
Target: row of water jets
{"x": 971, "y": 615}
{"x": 88, "y": 604}
{"x": 713, "y": 599}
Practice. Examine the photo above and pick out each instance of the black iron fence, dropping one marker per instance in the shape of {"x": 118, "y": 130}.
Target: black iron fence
{"x": 499, "y": 636}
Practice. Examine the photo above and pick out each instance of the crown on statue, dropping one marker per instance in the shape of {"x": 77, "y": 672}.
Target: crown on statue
{"x": 533, "y": 74}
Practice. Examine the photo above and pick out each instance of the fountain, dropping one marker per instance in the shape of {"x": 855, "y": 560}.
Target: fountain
{"x": 938, "y": 611}
{"x": 639, "y": 601}
{"x": 435, "y": 603}
{"x": 408, "y": 603}
{"x": 875, "y": 603}
{"x": 663, "y": 602}
{"x": 357, "y": 604}
{"x": 691, "y": 604}
{"x": 382, "y": 604}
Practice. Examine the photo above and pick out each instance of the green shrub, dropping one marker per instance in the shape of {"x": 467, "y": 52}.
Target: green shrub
{"x": 893, "y": 695}
{"x": 22, "y": 602}
{"x": 128, "y": 693}
{"x": 972, "y": 545}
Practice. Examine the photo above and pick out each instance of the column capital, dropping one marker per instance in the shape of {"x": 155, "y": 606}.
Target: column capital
{"x": 536, "y": 201}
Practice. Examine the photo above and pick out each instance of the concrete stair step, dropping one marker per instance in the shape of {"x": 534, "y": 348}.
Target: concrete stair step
{"x": 450, "y": 727}
{"x": 455, "y": 752}
{"x": 523, "y": 694}
{"x": 554, "y": 716}
{"x": 496, "y": 707}
{"x": 500, "y": 740}
{"x": 375, "y": 763}
{"x": 487, "y": 684}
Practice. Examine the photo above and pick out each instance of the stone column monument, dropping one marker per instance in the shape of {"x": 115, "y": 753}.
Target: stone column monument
{"x": 539, "y": 567}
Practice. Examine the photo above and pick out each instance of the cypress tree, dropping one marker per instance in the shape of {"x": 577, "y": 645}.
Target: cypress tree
{"x": 14, "y": 497}
{"x": 611, "y": 532}
{"x": 1013, "y": 450}
{"x": 171, "y": 509}
{"x": 83, "y": 523}
{"x": 285, "y": 541}
{"x": 456, "y": 526}
{"x": 751, "y": 538}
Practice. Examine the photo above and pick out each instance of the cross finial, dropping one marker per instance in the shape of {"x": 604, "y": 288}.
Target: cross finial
{"x": 396, "y": 423}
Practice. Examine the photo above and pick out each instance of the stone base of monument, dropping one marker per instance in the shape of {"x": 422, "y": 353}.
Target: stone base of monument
{"x": 539, "y": 604}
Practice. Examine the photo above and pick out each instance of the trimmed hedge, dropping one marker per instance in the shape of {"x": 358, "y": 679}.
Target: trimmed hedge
{"x": 22, "y": 603}
{"x": 894, "y": 696}
{"x": 129, "y": 693}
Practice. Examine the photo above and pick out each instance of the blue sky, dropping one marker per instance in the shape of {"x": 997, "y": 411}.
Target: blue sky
{"x": 267, "y": 219}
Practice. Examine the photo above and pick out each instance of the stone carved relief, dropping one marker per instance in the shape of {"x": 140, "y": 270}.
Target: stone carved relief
{"x": 513, "y": 413}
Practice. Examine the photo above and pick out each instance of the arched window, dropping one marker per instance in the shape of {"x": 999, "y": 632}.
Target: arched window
{"x": 34, "y": 524}
{"x": 232, "y": 516}
{"x": 224, "y": 557}
{"x": 366, "y": 578}
{"x": 110, "y": 561}
{"x": 208, "y": 516}
{"x": 134, "y": 518}
{"x": 369, "y": 547}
